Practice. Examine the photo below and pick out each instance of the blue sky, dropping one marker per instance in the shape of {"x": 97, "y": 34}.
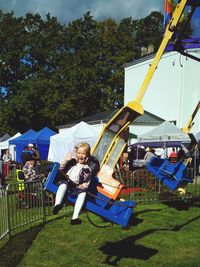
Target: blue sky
{"x": 69, "y": 10}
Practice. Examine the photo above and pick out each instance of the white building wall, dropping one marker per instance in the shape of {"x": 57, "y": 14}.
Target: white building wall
{"x": 174, "y": 90}
{"x": 191, "y": 91}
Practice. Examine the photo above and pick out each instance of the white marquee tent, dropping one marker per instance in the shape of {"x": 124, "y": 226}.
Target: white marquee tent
{"x": 165, "y": 132}
{"x": 5, "y": 145}
{"x": 64, "y": 142}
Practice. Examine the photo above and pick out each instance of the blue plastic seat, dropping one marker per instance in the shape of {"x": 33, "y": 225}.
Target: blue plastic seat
{"x": 173, "y": 175}
{"x": 118, "y": 212}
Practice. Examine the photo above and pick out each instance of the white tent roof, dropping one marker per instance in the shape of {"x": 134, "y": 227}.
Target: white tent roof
{"x": 63, "y": 143}
{"x": 5, "y": 145}
{"x": 166, "y": 131}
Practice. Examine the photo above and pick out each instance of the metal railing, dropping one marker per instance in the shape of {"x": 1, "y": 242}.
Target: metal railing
{"x": 25, "y": 203}
{"x": 4, "y": 224}
{"x": 12, "y": 169}
{"x": 143, "y": 186}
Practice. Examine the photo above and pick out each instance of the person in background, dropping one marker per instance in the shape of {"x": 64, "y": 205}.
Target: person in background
{"x": 164, "y": 152}
{"x": 181, "y": 155}
{"x": 27, "y": 154}
{"x": 29, "y": 171}
{"x": 36, "y": 157}
{"x": 79, "y": 167}
{"x": 30, "y": 152}
{"x": 2, "y": 177}
{"x": 149, "y": 154}
{"x": 6, "y": 160}
{"x": 173, "y": 156}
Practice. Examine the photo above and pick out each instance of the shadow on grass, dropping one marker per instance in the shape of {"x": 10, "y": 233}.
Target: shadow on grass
{"x": 103, "y": 224}
{"x": 183, "y": 205}
{"x": 147, "y": 210}
{"x": 13, "y": 251}
{"x": 126, "y": 248}
{"x": 132, "y": 222}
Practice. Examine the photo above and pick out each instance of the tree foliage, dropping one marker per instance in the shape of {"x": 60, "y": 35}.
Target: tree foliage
{"x": 52, "y": 74}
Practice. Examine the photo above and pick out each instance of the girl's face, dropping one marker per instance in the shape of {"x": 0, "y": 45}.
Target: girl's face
{"x": 81, "y": 155}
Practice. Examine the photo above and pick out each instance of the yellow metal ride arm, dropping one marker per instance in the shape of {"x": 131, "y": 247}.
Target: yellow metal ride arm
{"x": 193, "y": 144}
{"x": 190, "y": 122}
{"x": 111, "y": 141}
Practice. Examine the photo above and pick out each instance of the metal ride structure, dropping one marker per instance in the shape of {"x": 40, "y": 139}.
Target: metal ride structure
{"x": 104, "y": 190}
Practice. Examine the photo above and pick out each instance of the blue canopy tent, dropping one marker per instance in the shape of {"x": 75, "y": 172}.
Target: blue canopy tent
{"x": 43, "y": 141}
{"x": 21, "y": 142}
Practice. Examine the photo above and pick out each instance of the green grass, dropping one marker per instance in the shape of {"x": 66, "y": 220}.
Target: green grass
{"x": 159, "y": 235}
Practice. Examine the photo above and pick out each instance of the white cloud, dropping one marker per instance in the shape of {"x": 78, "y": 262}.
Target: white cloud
{"x": 67, "y": 10}
{"x": 124, "y": 8}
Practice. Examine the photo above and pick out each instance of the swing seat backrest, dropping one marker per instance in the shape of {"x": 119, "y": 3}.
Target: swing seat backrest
{"x": 108, "y": 186}
{"x": 171, "y": 174}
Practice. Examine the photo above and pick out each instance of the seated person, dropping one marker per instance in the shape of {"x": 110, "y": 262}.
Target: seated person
{"x": 79, "y": 167}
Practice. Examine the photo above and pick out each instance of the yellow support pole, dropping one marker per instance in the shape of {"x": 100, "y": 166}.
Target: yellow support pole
{"x": 134, "y": 108}
{"x": 167, "y": 36}
{"x": 190, "y": 123}
{"x": 193, "y": 144}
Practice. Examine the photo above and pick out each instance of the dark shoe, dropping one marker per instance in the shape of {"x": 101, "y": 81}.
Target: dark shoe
{"x": 75, "y": 221}
{"x": 57, "y": 208}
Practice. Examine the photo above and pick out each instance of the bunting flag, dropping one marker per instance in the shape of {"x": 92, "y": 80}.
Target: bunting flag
{"x": 167, "y": 11}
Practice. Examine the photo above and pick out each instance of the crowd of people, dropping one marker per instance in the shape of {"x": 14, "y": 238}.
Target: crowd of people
{"x": 174, "y": 156}
{"x": 139, "y": 157}
{"x": 31, "y": 163}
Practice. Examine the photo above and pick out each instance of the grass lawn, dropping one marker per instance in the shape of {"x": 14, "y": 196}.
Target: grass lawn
{"x": 159, "y": 235}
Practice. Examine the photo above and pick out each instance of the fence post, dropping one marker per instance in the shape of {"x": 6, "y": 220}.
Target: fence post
{"x": 43, "y": 205}
{"x": 8, "y": 212}
{"x": 195, "y": 172}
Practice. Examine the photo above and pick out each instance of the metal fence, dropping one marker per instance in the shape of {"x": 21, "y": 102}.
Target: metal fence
{"x": 12, "y": 169}
{"x": 24, "y": 203}
{"x": 143, "y": 186}
{"x": 4, "y": 224}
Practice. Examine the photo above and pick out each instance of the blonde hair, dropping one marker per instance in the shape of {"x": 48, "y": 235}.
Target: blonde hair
{"x": 85, "y": 146}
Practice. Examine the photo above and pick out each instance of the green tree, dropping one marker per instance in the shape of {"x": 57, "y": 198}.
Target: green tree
{"x": 149, "y": 31}
{"x": 55, "y": 74}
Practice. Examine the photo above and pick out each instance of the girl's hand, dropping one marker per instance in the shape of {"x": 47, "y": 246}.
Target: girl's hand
{"x": 82, "y": 186}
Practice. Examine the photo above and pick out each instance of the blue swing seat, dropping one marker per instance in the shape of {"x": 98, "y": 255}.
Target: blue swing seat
{"x": 173, "y": 175}
{"x": 118, "y": 212}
